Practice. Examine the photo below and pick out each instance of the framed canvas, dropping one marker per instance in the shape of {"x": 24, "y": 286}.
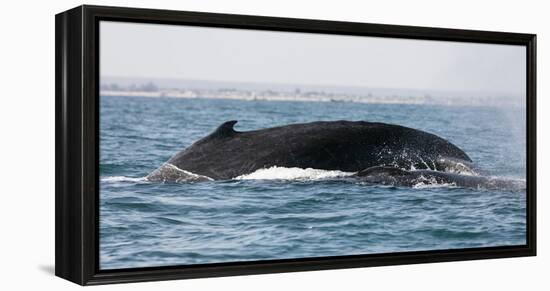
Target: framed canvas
{"x": 198, "y": 144}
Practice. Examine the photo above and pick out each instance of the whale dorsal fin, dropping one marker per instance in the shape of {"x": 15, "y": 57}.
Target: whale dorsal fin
{"x": 225, "y": 129}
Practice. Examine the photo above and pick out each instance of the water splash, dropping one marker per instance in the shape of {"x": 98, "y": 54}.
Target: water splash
{"x": 282, "y": 173}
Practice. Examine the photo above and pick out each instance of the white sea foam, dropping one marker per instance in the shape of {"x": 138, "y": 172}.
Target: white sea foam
{"x": 190, "y": 176}
{"x": 460, "y": 168}
{"x": 489, "y": 183}
{"x": 432, "y": 184}
{"x": 169, "y": 172}
{"x": 122, "y": 179}
{"x": 283, "y": 173}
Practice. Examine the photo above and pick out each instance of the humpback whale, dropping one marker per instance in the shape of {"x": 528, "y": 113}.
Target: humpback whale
{"x": 349, "y": 146}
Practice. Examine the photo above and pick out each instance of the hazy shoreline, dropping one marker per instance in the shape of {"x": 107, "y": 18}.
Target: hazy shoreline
{"x": 297, "y": 96}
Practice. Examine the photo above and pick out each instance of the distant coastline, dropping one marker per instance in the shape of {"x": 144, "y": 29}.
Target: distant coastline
{"x": 313, "y": 97}
{"x": 271, "y": 96}
{"x": 298, "y": 94}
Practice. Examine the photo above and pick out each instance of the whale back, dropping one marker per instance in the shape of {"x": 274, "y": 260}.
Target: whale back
{"x": 348, "y": 146}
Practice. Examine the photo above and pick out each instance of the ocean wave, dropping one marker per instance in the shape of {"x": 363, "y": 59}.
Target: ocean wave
{"x": 283, "y": 173}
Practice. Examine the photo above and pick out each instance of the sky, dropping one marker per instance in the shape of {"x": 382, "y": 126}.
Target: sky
{"x": 241, "y": 55}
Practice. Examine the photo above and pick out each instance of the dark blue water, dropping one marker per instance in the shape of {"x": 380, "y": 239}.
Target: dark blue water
{"x": 144, "y": 224}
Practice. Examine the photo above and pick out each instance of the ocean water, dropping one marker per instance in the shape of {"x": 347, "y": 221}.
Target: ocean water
{"x": 284, "y": 213}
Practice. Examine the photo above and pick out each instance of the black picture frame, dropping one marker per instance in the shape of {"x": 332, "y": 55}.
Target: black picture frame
{"x": 77, "y": 138}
